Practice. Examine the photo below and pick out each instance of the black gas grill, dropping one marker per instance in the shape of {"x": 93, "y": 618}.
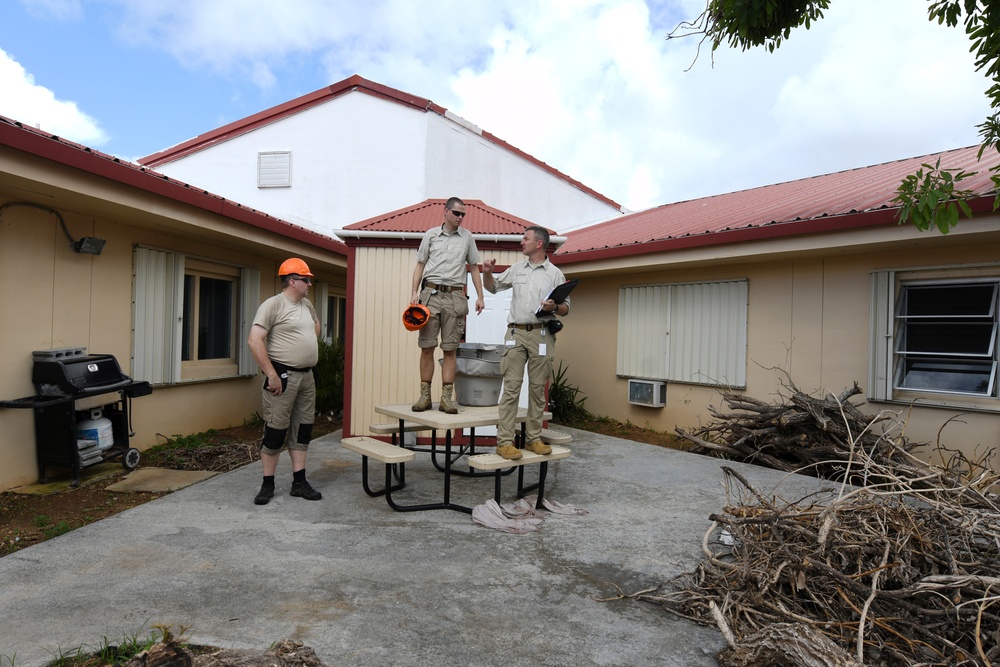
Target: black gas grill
{"x": 73, "y": 372}
{"x": 62, "y": 377}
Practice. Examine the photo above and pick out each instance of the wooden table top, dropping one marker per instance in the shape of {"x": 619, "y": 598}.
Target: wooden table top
{"x": 467, "y": 417}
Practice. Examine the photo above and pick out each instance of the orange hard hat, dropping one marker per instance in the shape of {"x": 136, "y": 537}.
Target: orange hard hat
{"x": 415, "y": 316}
{"x": 294, "y": 266}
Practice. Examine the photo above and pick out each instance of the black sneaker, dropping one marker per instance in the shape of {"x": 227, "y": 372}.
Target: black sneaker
{"x": 264, "y": 495}
{"x": 303, "y": 490}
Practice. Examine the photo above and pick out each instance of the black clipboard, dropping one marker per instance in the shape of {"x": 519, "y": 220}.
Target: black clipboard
{"x": 558, "y": 294}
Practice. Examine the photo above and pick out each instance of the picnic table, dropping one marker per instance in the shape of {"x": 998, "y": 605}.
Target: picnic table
{"x": 468, "y": 417}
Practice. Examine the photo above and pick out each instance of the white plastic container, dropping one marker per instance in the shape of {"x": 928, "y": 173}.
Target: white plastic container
{"x": 98, "y": 428}
{"x": 478, "y": 378}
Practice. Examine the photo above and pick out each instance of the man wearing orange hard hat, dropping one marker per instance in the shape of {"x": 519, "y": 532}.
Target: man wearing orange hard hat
{"x": 284, "y": 340}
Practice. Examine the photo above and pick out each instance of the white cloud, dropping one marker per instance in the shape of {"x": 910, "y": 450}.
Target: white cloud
{"x": 36, "y": 106}
{"x": 869, "y": 83}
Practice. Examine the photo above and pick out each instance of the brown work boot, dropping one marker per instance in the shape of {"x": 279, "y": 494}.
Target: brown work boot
{"x": 509, "y": 452}
{"x": 424, "y": 402}
{"x": 446, "y": 405}
{"x": 538, "y": 447}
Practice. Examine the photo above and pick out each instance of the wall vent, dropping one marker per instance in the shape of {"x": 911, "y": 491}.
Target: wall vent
{"x": 274, "y": 169}
{"x": 651, "y": 393}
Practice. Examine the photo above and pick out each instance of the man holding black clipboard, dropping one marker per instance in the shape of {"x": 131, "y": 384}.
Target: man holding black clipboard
{"x": 540, "y": 294}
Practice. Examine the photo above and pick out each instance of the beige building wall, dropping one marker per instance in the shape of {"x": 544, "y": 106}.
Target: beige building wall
{"x": 55, "y": 298}
{"x": 385, "y": 357}
{"x": 808, "y": 314}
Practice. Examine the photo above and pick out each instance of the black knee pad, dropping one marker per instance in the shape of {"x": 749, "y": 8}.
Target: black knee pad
{"x": 305, "y": 434}
{"x": 274, "y": 438}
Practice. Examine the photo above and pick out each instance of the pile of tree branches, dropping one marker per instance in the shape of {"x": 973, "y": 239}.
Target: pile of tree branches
{"x": 831, "y": 438}
{"x": 871, "y": 578}
{"x": 899, "y": 564}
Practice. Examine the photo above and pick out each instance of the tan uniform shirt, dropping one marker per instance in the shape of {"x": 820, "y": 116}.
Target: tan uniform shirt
{"x": 531, "y": 284}
{"x": 445, "y": 255}
{"x": 291, "y": 331}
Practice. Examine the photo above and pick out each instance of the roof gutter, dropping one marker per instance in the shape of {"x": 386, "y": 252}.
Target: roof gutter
{"x": 345, "y": 234}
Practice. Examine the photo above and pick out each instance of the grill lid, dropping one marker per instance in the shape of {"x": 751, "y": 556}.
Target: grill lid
{"x": 71, "y": 371}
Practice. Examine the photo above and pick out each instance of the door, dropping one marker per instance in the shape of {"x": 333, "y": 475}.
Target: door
{"x": 489, "y": 328}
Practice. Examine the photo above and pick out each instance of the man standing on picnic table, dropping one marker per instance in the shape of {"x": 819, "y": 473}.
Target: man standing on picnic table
{"x": 439, "y": 284}
{"x": 284, "y": 340}
{"x": 528, "y": 340}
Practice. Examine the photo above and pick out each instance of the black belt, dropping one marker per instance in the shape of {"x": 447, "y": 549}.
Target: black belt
{"x": 525, "y": 327}
{"x": 280, "y": 368}
{"x": 444, "y": 288}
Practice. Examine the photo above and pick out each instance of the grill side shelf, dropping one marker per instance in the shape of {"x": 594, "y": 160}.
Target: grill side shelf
{"x": 36, "y": 401}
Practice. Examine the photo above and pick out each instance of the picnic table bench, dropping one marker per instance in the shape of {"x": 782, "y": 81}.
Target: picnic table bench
{"x": 394, "y": 457}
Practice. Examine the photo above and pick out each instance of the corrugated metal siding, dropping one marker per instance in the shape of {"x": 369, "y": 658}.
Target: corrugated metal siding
{"x": 385, "y": 356}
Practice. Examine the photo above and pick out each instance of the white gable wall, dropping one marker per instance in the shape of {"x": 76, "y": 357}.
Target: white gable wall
{"x": 353, "y": 157}
{"x": 357, "y": 156}
{"x": 463, "y": 163}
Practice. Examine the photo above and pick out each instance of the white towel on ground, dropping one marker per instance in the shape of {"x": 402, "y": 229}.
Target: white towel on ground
{"x": 519, "y": 517}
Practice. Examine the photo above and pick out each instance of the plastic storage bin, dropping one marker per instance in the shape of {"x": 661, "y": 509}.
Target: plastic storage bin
{"x": 478, "y": 377}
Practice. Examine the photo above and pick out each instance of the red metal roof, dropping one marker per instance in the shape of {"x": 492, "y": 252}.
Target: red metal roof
{"x": 479, "y": 219}
{"x": 59, "y": 150}
{"x": 351, "y": 84}
{"x": 846, "y": 199}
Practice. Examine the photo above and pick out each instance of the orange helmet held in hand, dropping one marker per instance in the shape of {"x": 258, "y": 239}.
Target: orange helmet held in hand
{"x": 294, "y": 267}
{"x": 415, "y": 316}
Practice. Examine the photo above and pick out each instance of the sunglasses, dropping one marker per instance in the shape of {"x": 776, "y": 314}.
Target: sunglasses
{"x": 457, "y": 214}
{"x": 307, "y": 281}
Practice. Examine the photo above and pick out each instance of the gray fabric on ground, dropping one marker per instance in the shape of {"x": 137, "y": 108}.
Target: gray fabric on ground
{"x": 521, "y": 516}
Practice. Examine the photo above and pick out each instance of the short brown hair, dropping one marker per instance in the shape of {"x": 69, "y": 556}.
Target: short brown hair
{"x": 540, "y": 233}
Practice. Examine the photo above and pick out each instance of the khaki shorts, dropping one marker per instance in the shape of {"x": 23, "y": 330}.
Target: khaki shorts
{"x": 295, "y": 406}
{"x": 448, "y": 311}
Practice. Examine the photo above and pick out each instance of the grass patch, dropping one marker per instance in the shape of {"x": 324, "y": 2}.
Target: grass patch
{"x": 115, "y": 652}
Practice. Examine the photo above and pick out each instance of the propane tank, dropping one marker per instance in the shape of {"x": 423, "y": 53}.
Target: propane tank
{"x": 98, "y": 428}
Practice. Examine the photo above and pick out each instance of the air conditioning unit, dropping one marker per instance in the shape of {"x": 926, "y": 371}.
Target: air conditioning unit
{"x": 651, "y": 393}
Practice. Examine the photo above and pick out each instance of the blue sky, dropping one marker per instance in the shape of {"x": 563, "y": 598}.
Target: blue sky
{"x": 590, "y": 87}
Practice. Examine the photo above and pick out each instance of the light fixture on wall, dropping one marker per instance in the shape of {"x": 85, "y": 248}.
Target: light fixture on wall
{"x": 87, "y": 245}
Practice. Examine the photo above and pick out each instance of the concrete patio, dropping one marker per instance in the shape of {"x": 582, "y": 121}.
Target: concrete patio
{"x": 363, "y": 585}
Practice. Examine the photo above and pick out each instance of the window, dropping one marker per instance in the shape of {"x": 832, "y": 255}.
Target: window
{"x": 191, "y": 318}
{"x": 331, "y": 309}
{"x": 208, "y": 336}
{"x": 690, "y": 332}
{"x": 941, "y": 339}
{"x": 336, "y": 318}
{"x": 274, "y": 169}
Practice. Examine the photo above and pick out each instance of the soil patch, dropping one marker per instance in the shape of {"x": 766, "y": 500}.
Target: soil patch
{"x": 27, "y": 519}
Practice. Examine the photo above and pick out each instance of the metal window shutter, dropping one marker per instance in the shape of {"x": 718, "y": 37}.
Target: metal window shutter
{"x": 249, "y": 302}
{"x": 880, "y": 346}
{"x": 156, "y": 316}
{"x": 643, "y": 326}
{"x": 708, "y": 336}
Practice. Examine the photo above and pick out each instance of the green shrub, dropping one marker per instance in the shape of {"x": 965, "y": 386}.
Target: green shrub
{"x": 566, "y": 400}
{"x": 330, "y": 379}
